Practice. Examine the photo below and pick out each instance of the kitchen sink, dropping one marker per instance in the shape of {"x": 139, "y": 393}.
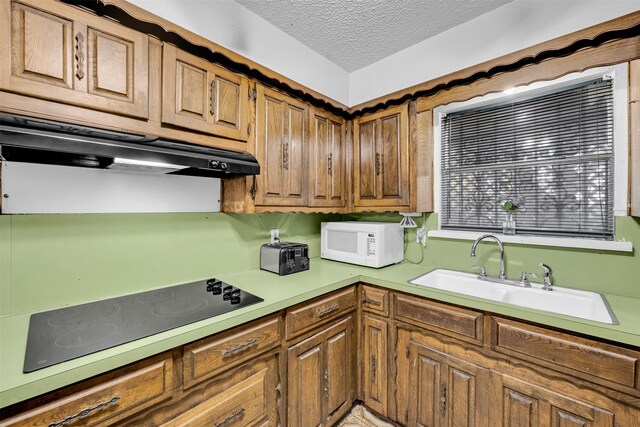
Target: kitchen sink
{"x": 570, "y": 302}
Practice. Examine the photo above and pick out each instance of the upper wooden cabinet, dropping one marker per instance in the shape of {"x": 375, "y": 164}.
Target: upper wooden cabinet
{"x": 327, "y": 161}
{"x": 58, "y": 52}
{"x": 201, "y": 96}
{"x": 281, "y": 149}
{"x": 381, "y": 160}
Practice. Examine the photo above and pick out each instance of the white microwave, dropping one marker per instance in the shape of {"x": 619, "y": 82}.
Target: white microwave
{"x": 372, "y": 244}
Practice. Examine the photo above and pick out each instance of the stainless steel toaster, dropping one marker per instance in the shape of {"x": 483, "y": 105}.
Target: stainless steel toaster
{"x": 284, "y": 257}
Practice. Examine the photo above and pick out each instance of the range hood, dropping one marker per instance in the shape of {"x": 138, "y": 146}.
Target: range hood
{"x": 31, "y": 140}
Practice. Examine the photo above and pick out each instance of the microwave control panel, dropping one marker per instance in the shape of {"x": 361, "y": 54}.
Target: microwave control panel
{"x": 371, "y": 244}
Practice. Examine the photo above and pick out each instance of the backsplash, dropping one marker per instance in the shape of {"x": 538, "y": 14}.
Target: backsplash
{"x": 49, "y": 261}
{"x": 601, "y": 271}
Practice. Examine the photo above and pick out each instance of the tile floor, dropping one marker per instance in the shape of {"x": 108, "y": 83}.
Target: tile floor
{"x": 361, "y": 417}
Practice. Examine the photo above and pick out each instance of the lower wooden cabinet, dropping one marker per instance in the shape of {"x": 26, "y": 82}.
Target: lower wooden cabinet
{"x": 439, "y": 389}
{"x": 104, "y": 400}
{"x": 421, "y": 363}
{"x": 518, "y": 402}
{"x": 321, "y": 376}
{"x": 246, "y": 398}
{"x": 374, "y": 363}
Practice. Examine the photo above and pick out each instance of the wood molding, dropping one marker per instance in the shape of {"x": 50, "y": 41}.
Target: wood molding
{"x": 625, "y": 27}
{"x": 583, "y": 41}
{"x": 137, "y": 18}
{"x": 608, "y": 54}
{"x": 634, "y": 138}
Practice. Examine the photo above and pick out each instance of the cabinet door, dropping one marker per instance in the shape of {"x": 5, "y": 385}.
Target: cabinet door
{"x": 523, "y": 404}
{"x": 281, "y": 138}
{"x": 339, "y": 367}
{"x": 381, "y": 159}
{"x": 327, "y": 161}
{"x": 374, "y": 360}
{"x": 201, "y": 96}
{"x": 61, "y": 53}
{"x": 448, "y": 391}
{"x": 306, "y": 383}
{"x": 437, "y": 389}
{"x": 321, "y": 372}
{"x": 366, "y": 168}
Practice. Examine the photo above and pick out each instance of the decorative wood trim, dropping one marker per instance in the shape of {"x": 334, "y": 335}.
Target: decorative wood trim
{"x": 624, "y": 27}
{"x": 423, "y": 161}
{"x": 634, "y": 138}
{"x": 135, "y": 17}
{"x": 609, "y": 54}
{"x": 413, "y": 157}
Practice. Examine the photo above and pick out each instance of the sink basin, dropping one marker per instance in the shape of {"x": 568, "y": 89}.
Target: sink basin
{"x": 570, "y": 302}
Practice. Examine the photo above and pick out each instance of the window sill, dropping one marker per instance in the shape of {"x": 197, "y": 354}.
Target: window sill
{"x": 561, "y": 242}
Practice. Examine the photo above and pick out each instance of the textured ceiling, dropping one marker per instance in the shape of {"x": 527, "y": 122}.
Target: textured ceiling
{"x": 356, "y": 33}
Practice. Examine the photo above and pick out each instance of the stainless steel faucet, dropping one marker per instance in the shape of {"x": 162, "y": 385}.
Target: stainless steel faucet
{"x": 491, "y": 236}
{"x": 547, "y": 284}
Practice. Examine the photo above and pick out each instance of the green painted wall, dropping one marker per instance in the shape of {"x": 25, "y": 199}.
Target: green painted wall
{"x": 610, "y": 272}
{"x": 49, "y": 261}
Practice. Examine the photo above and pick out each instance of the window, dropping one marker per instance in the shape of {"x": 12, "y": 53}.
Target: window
{"x": 552, "y": 150}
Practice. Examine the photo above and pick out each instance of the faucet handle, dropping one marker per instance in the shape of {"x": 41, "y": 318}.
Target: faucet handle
{"x": 483, "y": 272}
{"x": 524, "y": 278}
{"x": 546, "y": 276}
{"x": 545, "y": 268}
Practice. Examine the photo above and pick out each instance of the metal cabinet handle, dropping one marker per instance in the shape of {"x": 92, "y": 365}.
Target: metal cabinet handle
{"x": 212, "y": 99}
{"x": 325, "y": 383}
{"x": 79, "y": 55}
{"x": 328, "y": 310}
{"x": 443, "y": 399}
{"x": 366, "y": 300}
{"x": 240, "y": 348}
{"x": 373, "y": 368}
{"x": 86, "y": 412}
{"x": 231, "y": 418}
{"x": 285, "y": 154}
{"x": 377, "y": 164}
{"x": 330, "y": 163}
{"x": 254, "y": 188}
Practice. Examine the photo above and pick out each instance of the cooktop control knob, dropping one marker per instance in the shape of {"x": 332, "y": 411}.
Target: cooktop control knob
{"x": 226, "y": 293}
{"x": 214, "y": 286}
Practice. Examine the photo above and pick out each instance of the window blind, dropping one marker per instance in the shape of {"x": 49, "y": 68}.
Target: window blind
{"x": 552, "y": 152}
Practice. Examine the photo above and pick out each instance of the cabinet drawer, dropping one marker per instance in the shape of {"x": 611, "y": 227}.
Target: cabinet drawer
{"x": 306, "y": 317}
{"x": 560, "y": 351}
{"x": 241, "y": 404}
{"x": 449, "y": 320}
{"x": 208, "y": 357}
{"x": 375, "y": 300}
{"x": 138, "y": 387}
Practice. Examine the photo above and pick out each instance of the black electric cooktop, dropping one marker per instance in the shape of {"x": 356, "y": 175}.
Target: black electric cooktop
{"x": 67, "y": 333}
